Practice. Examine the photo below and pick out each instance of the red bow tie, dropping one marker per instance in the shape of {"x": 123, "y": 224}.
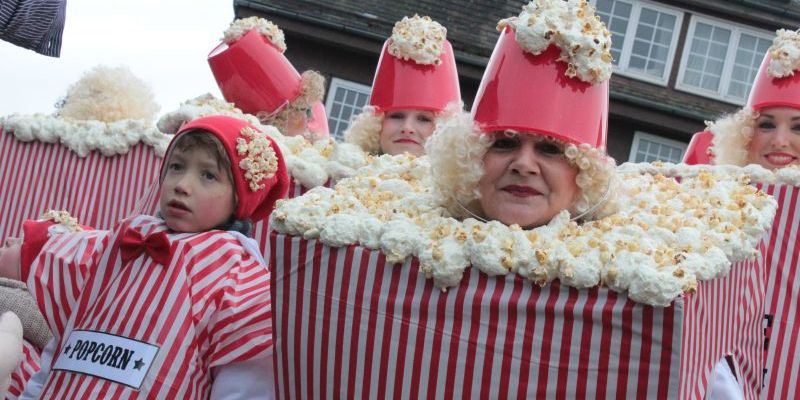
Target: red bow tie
{"x": 156, "y": 245}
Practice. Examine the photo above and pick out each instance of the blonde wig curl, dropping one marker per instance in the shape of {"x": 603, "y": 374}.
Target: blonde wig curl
{"x": 732, "y": 135}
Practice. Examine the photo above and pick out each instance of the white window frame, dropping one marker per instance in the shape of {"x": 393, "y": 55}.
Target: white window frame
{"x": 727, "y": 67}
{"x": 630, "y": 37}
{"x": 638, "y": 135}
{"x": 337, "y": 83}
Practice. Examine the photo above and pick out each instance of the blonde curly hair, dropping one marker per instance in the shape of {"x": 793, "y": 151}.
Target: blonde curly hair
{"x": 455, "y": 152}
{"x": 312, "y": 90}
{"x": 732, "y": 135}
{"x": 365, "y": 128}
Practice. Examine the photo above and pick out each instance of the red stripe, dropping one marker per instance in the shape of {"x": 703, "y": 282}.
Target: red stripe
{"x": 327, "y": 317}
{"x": 527, "y": 342}
{"x": 491, "y": 335}
{"x": 547, "y": 342}
{"x": 355, "y": 351}
{"x": 587, "y": 329}
{"x": 299, "y": 278}
{"x": 645, "y": 350}
{"x": 419, "y": 344}
{"x": 459, "y": 309}
{"x": 313, "y": 296}
{"x": 665, "y": 361}
{"x": 474, "y": 328}
{"x": 605, "y": 337}
{"x": 625, "y": 351}
{"x": 346, "y": 273}
{"x": 402, "y": 350}
{"x": 566, "y": 341}
{"x": 511, "y": 335}
{"x": 386, "y": 342}
{"x": 380, "y": 269}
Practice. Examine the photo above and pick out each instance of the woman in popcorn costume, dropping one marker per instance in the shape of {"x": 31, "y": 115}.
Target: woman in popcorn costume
{"x": 253, "y": 74}
{"x": 525, "y": 155}
{"x": 177, "y": 307}
{"x": 766, "y": 131}
{"x": 414, "y": 82}
{"x": 523, "y": 184}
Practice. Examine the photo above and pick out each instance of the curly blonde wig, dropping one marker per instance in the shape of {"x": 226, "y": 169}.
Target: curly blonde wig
{"x": 109, "y": 94}
{"x": 365, "y": 130}
{"x": 455, "y": 152}
{"x": 312, "y": 90}
{"x": 732, "y": 135}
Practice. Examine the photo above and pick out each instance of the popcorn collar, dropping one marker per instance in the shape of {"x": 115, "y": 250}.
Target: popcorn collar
{"x": 82, "y": 137}
{"x": 668, "y": 236}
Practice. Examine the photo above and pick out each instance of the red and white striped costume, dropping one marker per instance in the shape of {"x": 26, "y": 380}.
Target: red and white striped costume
{"x": 209, "y": 307}
{"x": 26, "y": 369}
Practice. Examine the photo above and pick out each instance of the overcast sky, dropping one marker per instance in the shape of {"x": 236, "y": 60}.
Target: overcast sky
{"x": 163, "y": 42}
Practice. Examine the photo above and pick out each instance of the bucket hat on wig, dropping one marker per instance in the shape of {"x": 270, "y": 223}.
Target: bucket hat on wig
{"x": 259, "y": 174}
{"x": 252, "y": 72}
{"x": 699, "y": 150}
{"x": 416, "y": 70}
{"x": 543, "y": 79}
{"x": 777, "y": 84}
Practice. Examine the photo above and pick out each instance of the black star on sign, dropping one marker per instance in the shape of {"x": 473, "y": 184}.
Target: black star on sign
{"x": 138, "y": 364}
{"x": 66, "y": 349}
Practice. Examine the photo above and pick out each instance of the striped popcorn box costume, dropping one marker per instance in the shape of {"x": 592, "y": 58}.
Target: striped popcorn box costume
{"x": 144, "y": 312}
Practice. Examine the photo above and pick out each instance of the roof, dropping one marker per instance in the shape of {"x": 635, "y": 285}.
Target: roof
{"x": 471, "y": 29}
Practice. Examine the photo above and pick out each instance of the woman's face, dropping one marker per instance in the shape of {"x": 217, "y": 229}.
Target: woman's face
{"x": 526, "y": 181}
{"x": 405, "y": 131}
{"x": 776, "y": 138}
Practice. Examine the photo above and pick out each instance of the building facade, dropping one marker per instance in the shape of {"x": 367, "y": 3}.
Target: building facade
{"x": 677, "y": 63}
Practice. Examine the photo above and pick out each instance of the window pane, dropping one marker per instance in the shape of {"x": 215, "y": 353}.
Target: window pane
{"x": 649, "y": 150}
{"x": 344, "y": 100}
{"x": 653, "y": 39}
{"x": 749, "y": 54}
{"x": 616, "y": 15}
{"x": 707, "y": 54}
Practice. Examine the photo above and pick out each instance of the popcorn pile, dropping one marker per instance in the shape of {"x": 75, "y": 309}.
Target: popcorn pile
{"x": 310, "y": 164}
{"x": 83, "y": 136}
{"x": 420, "y": 39}
{"x": 240, "y": 27}
{"x": 784, "y": 54}
{"x": 668, "y": 235}
{"x": 571, "y": 25}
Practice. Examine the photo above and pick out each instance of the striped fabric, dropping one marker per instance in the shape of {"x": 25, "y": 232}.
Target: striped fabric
{"x": 209, "y": 307}
{"x": 33, "y": 24}
{"x": 97, "y": 190}
{"x": 148, "y": 205}
{"x": 783, "y": 296}
{"x": 348, "y": 324}
{"x": 26, "y": 369}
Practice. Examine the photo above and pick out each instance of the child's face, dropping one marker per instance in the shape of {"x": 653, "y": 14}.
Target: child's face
{"x": 9, "y": 258}
{"x": 195, "y": 194}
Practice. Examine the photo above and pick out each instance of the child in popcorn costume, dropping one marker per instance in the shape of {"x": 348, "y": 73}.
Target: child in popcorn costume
{"x": 172, "y": 307}
{"x": 253, "y": 73}
{"x": 415, "y": 81}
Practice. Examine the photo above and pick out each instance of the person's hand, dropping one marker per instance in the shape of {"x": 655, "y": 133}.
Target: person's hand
{"x": 9, "y": 258}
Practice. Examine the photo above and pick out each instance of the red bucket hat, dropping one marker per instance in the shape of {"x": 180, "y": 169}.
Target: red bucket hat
{"x": 259, "y": 173}
{"x": 405, "y": 79}
{"x": 777, "y": 84}
{"x": 699, "y": 150}
{"x": 524, "y": 92}
{"x": 253, "y": 74}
